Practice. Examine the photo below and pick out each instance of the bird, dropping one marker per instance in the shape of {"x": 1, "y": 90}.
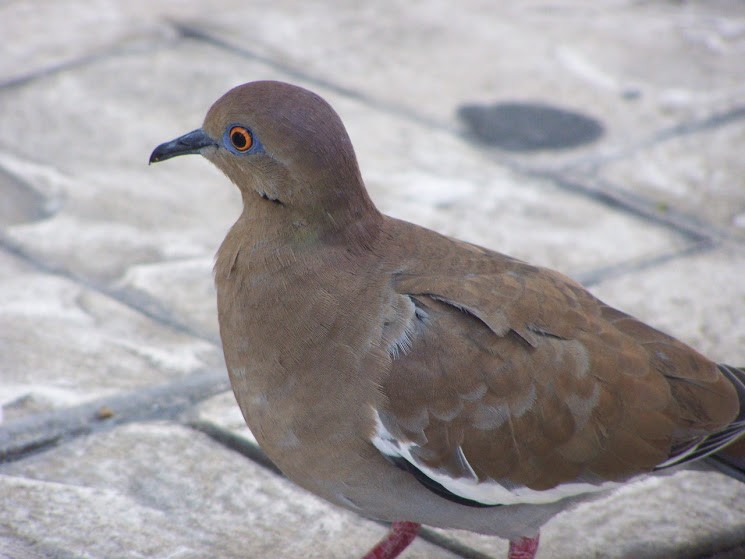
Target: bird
{"x": 418, "y": 379}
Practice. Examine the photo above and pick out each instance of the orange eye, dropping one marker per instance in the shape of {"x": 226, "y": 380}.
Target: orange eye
{"x": 240, "y": 138}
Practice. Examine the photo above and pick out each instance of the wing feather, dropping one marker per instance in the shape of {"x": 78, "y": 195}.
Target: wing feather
{"x": 519, "y": 386}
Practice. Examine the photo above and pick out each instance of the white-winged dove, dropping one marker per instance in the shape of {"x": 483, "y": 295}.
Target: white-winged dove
{"x": 418, "y": 379}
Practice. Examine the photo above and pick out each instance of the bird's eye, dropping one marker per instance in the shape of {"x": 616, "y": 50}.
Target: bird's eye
{"x": 241, "y": 138}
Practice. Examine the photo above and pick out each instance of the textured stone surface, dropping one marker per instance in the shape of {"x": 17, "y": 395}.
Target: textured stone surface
{"x": 63, "y": 343}
{"x": 160, "y": 490}
{"x": 700, "y": 173}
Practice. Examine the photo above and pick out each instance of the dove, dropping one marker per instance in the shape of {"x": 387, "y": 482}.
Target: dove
{"x": 418, "y": 379}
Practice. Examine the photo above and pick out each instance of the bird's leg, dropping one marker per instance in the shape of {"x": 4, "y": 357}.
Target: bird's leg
{"x": 524, "y": 548}
{"x": 400, "y": 535}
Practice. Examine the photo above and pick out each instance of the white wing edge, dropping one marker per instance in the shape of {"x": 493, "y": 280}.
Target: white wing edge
{"x": 487, "y": 492}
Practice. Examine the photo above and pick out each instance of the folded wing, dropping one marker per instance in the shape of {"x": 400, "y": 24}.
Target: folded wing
{"x": 515, "y": 385}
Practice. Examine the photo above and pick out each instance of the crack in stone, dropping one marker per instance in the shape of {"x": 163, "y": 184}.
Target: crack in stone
{"x": 38, "y": 432}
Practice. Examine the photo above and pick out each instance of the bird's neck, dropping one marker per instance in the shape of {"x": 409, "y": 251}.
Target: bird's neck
{"x": 274, "y": 233}
{"x": 336, "y": 219}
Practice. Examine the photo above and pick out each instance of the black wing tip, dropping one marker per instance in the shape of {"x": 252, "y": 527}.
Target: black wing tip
{"x": 713, "y": 444}
{"x": 437, "y": 488}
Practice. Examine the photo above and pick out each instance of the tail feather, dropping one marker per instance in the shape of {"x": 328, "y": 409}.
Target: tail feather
{"x": 737, "y": 377}
{"x": 733, "y": 466}
{"x": 716, "y": 443}
{"x": 731, "y": 460}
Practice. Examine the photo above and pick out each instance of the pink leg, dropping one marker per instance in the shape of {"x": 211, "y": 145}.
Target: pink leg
{"x": 524, "y": 548}
{"x": 400, "y": 535}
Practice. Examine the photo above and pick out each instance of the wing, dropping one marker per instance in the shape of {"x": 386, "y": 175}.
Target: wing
{"x": 512, "y": 384}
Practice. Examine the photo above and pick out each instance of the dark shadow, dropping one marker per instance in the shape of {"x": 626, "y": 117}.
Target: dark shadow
{"x": 522, "y": 126}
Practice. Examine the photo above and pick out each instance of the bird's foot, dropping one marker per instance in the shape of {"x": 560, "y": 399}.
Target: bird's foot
{"x": 524, "y": 548}
{"x": 399, "y": 537}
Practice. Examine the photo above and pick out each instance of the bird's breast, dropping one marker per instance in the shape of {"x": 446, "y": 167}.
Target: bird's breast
{"x": 304, "y": 358}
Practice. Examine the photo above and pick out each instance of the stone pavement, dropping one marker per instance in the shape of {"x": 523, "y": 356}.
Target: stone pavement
{"x": 605, "y": 139}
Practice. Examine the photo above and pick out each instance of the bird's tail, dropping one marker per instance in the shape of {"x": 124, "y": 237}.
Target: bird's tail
{"x": 729, "y": 456}
{"x": 722, "y": 447}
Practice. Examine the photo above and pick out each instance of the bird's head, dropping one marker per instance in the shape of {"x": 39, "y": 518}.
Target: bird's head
{"x": 282, "y": 145}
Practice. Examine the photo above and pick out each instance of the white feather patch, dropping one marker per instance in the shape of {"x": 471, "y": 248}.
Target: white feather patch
{"x": 399, "y": 328}
{"x": 403, "y": 344}
{"x": 488, "y": 492}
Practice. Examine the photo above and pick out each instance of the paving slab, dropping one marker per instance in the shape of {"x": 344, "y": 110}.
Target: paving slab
{"x": 110, "y": 215}
{"x": 62, "y": 343}
{"x": 161, "y": 490}
{"x": 183, "y": 288}
{"x": 699, "y": 174}
{"x": 45, "y": 36}
{"x": 222, "y": 411}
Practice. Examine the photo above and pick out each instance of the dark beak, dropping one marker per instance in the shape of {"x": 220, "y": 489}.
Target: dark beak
{"x": 193, "y": 142}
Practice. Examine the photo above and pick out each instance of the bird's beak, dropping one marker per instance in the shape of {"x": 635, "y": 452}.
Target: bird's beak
{"x": 193, "y": 142}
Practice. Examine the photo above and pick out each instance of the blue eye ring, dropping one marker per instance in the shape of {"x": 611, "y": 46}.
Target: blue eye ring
{"x": 240, "y": 140}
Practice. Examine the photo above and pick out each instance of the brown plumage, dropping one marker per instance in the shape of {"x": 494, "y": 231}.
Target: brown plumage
{"x": 413, "y": 377}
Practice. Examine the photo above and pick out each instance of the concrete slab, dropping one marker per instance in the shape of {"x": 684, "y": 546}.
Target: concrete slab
{"x": 62, "y": 343}
{"x": 699, "y": 174}
{"x": 183, "y": 287}
{"x": 44, "y": 36}
{"x": 160, "y": 490}
{"x": 108, "y": 215}
{"x": 223, "y": 411}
